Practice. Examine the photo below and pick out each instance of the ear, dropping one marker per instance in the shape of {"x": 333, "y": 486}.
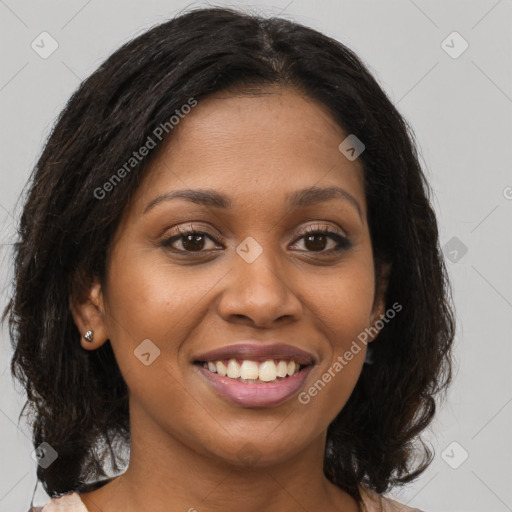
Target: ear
{"x": 379, "y": 304}
{"x": 89, "y": 315}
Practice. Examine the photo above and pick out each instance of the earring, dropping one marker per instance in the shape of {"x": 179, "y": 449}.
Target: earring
{"x": 89, "y": 336}
{"x": 369, "y": 355}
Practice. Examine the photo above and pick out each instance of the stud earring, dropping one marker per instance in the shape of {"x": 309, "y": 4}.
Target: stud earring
{"x": 369, "y": 355}
{"x": 89, "y": 336}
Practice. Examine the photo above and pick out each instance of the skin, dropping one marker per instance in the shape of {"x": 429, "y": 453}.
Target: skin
{"x": 189, "y": 445}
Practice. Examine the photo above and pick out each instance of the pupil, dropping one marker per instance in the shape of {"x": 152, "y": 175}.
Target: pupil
{"x": 196, "y": 242}
{"x": 316, "y": 246}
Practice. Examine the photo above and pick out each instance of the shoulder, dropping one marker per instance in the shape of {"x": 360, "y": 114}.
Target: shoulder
{"x": 373, "y": 502}
{"x": 69, "y": 502}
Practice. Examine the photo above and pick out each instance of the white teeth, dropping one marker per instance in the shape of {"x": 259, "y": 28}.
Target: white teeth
{"x": 233, "y": 369}
{"x": 282, "y": 369}
{"x": 221, "y": 369}
{"x": 268, "y": 371}
{"x": 252, "y": 371}
{"x": 249, "y": 370}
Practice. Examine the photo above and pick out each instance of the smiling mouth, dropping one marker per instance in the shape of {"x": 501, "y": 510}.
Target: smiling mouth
{"x": 254, "y": 372}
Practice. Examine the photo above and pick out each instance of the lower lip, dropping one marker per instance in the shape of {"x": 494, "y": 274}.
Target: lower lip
{"x": 268, "y": 394}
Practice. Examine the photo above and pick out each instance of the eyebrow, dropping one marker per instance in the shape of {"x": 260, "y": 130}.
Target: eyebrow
{"x": 298, "y": 199}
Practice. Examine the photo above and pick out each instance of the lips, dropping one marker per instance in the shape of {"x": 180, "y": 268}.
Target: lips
{"x": 255, "y": 375}
{"x": 257, "y": 352}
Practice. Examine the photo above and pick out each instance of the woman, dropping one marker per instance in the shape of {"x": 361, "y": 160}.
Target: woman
{"x": 228, "y": 263}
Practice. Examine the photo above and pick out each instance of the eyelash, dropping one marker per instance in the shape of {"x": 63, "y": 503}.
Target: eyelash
{"x": 343, "y": 243}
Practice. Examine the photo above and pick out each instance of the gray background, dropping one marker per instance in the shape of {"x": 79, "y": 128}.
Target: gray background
{"x": 460, "y": 109}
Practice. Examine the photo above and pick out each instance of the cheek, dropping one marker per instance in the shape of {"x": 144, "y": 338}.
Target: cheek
{"x": 343, "y": 312}
{"x": 150, "y": 309}
{"x": 150, "y": 298}
{"x": 344, "y": 305}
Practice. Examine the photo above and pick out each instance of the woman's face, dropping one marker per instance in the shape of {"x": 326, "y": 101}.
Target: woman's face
{"x": 255, "y": 290}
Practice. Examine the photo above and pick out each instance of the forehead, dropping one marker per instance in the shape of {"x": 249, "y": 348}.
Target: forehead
{"x": 265, "y": 144}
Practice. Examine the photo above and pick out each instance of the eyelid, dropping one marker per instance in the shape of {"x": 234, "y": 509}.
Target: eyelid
{"x": 310, "y": 228}
{"x": 192, "y": 228}
{"x": 195, "y": 228}
{"x": 313, "y": 228}
{"x": 343, "y": 242}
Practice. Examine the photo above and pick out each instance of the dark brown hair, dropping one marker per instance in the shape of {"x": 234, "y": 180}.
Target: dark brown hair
{"x": 78, "y": 398}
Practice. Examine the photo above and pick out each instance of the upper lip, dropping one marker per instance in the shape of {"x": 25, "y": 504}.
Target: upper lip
{"x": 258, "y": 352}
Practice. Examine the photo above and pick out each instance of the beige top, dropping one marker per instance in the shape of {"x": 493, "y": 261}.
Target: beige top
{"x": 372, "y": 502}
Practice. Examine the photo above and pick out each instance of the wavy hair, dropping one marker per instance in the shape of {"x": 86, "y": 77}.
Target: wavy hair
{"x": 78, "y": 399}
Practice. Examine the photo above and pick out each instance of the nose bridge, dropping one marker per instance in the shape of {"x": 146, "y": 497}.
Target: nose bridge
{"x": 258, "y": 289}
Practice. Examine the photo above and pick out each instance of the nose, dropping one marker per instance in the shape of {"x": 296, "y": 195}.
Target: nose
{"x": 259, "y": 294}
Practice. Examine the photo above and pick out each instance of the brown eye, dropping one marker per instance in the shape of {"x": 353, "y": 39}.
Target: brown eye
{"x": 193, "y": 242}
{"x": 317, "y": 240}
{"x": 189, "y": 240}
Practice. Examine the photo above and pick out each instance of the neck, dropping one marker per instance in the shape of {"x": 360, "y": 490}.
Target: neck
{"x": 165, "y": 474}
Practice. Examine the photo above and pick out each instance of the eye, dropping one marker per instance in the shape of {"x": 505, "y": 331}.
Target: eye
{"x": 316, "y": 239}
{"x": 190, "y": 239}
